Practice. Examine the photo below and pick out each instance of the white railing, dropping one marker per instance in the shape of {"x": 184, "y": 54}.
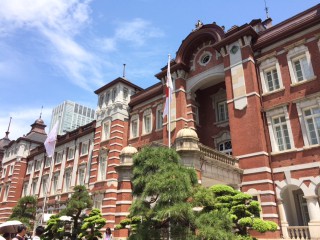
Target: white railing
{"x": 299, "y": 232}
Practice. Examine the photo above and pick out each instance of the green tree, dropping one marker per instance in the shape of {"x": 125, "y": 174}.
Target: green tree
{"x": 162, "y": 187}
{"x": 92, "y": 224}
{"x": 241, "y": 207}
{"x": 80, "y": 200}
{"x": 25, "y": 211}
{"x": 54, "y": 229}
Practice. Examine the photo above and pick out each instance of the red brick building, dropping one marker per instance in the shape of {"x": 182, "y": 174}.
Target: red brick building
{"x": 245, "y": 112}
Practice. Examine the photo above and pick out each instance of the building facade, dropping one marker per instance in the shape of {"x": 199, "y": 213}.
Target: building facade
{"x": 71, "y": 115}
{"x": 245, "y": 112}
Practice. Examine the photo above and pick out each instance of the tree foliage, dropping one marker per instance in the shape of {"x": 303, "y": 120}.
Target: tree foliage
{"x": 92, "y": 224}
{"x": 162, "y": 187}
{"x": 25, "y": 211}
{"x": 54, "y": 229}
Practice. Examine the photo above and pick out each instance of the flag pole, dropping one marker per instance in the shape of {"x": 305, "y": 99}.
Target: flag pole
{"x": 169, "y": 101}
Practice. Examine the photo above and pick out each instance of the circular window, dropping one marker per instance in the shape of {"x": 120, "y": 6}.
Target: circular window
{"x": 205, "y": 59}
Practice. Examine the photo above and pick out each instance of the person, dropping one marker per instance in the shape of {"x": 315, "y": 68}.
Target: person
{"x": 21, "y": 231}
{"x": 7, "y": 236}
{"x": 39, "y": 232}
{"x": 108, "y": 235}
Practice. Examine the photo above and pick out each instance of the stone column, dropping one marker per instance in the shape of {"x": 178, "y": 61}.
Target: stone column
{"x": 283, "y": 219}
{"x": 314, "y": 214}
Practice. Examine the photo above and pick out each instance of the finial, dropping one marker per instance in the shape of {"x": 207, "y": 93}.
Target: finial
{"x": 266, "y": 9}
{"x": 199, "y": 24}
{"x": 124, "y": 70}
{"x": 7, "y": 132}
{"x": 41, "y": 112}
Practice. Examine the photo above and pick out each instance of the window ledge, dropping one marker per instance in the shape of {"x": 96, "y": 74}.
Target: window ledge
{"x": 303, "y": 82}
{"x": 134, "y": 138}
{"x": 222, "y": 123}
{"x": 145, "y": 134}
{"x": 283, "y": 152}
{"x": 158, "y": 130}
{"x": 85, "y": 154}
{"x": 274, "y": 91}
{"x": 311, "y": 146}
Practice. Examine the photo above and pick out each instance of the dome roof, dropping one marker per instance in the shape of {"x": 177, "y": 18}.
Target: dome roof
{"x": 187, "y": 132}
{"x": 39, "y": 121}
{"x": 128, "y": 150}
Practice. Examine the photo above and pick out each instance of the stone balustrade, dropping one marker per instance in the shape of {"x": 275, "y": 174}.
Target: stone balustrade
{"x": 219, "y": 156}
{"x": 299, "y": 232}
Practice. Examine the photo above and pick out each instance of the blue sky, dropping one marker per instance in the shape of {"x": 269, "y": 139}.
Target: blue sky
{"x": 56, "y": 50}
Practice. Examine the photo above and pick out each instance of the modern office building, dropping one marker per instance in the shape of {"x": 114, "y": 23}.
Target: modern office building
{"x": 70, "y": 116}
{"x": 245, "y": 112}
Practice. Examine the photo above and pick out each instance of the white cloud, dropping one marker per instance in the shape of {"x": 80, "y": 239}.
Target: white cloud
{"x": 21, "y": 121}
{"x": 136, "y": 32}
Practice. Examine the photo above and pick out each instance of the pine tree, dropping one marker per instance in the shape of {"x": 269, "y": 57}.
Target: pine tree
{"x": 92, "y": 224}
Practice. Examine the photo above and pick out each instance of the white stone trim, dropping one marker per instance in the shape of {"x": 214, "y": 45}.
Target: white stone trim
{"x": 268, "y": 65}
{"x": 256, "y": 170}
{"x": 268, "y": 204}
{"x": 124, "y": 191}
{"x": 270, "y": 215}
{"x": 252, "y": 155}
{"x": 256, "y": 182}
{"x": 247, "y": 95}
{"x": 297, "y": 167}
{"x": 123, "y": 202}
{"x": 122, "y": 214}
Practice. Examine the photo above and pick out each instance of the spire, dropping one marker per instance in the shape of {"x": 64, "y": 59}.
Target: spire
{"x": 41, "y": 112}
{"x": 124, "y": 71}
{"x": 266, "y": 9}
{"x": 7, "y": 132}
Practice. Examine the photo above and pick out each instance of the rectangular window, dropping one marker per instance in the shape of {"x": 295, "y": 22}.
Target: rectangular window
{"x": 81, "y": 175}
{"x": 44, "y": 187}
{"x": 312, "y": 121}
{"x": 106, "y": 130}
{"x": 34, "y": 187}
{"x": 272, "y": 79}
{"x": 281, "y": 133}
{"x": 4, "y": 171}
{"x": 38, "y": 165}
{"x": 107, "y": 98}
{"x": 134, "y": 128}
{"x": 147, "y": 123}
{"x": 48, "y": 162}
{"x": 84, "y": 148}
{"x": 11, "y": 169}
{"x": 67, "y": 181}
{"x": 25, "y": 189}
{"x": 159, "y": 118}
{"x": 29, "y": 169}
{"x": 222, "y": 111}
{"x": 97, "y": 203}
{"x": 6, "y": 193}
{"x": 54, "y": 183}
{"x": 59, "y": 157}
{"x": 70, "y": 153}
{"x": 102, "y": 168}
{"x": 125, "y": 94}
{"x": 114, "y": 93}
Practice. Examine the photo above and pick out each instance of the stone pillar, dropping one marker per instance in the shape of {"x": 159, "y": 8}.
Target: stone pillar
{"x": 314, "y": 214}
{"x": 283, "y": 219}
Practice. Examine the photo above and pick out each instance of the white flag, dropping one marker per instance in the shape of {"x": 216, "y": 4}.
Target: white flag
{"x": 169, "y": 90}
{"x": 50, "y": 142}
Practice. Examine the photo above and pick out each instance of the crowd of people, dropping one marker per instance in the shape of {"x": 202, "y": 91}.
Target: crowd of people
{"x": 22, "y": 234}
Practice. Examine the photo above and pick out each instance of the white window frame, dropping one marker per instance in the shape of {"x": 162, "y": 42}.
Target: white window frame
{"x": 125, "y": 94}
{"x": 106, "y": 127}
{"x": 266, "y": 66}
{"x": 297, "y": 53}
{"x": 59, "y": 157}
{"x": 84, "y": 148}
{"x": 114, "y": 94}
{"x": 270, "y": 115}
{"x": 34, "y": 187}
{"x": 4, "y": 171}
{"x": 107, "y": 98}
{"x": 30, "y": 166}
{"x": 11, "y": 167}
{"x": 134, "y": 133}
{"x": 37, "y": 166}
{"x": 102, "y": 168}
{"x": 225, "y": 113}
{"x": 159, "y": 117}
{"x": 147, "y": 115}
{"x": 220, "y": 98}
{"x": 81, "y": 170}
{"x": 301, "y": 107}
{"x": 97, "y": 201}
{"x": 54, "y": 183}
{"x": 47, "y": 162}
{"x": 67, "y": 180}
{"x": 6, "y": 192}
{"x": 44, "y": 186}
{"x": 71, "y": 156}
{"x": 225, "y": 151}
{"x": 25, "y": 189}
